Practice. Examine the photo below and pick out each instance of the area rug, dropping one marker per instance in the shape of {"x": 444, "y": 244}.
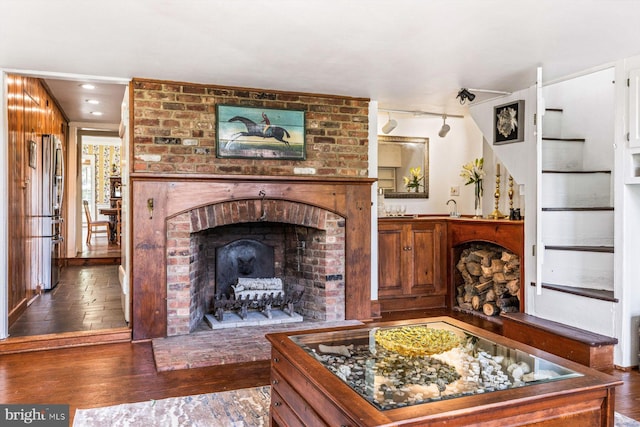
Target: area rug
{"x": 237, "y": 408}
{"x": 225, "y": 346}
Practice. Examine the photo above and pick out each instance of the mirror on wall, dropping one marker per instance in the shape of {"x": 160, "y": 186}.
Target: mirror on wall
{"x": 397, "y": 156}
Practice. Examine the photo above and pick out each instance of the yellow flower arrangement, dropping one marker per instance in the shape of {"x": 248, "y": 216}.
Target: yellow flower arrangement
{"x": 413, "y": 182}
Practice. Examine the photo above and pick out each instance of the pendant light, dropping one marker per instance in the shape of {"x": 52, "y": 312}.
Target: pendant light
{"x": 389, "y": 126}
{"x": 444, "y": 130}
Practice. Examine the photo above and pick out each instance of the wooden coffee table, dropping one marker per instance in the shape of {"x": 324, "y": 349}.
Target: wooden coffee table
{"x": 306, "y": 393}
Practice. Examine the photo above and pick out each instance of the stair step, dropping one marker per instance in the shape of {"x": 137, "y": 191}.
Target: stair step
{"x": 601, "y": 249}
{"x": 577, "y": 306}
{"x": 576, "y": 190}
{"x": 578, "y": 227}
{"x": 584, "y": 292}
{"x": 553, "y": 138}
{"x": 579, "y": 209}
{"x": 579, "y": 171}
{"x": 592, "y": 270}
{"x": 562, "y": 154}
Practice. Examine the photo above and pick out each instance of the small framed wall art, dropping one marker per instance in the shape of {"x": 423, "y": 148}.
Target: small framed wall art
{"x": 259, "y": 133}
{"x": 508, "y": 123}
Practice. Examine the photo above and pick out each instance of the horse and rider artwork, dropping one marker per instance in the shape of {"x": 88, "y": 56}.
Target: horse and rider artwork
{"x": 249, "y": 132}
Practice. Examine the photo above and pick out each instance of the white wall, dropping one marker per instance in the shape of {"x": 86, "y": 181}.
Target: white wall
{"x": 373, "y": 173}
{"x": 627, "y": 228}
{"x": 518, "y": 160}
{"x": 446, "y": 157}
{"x": 587, "y": 112}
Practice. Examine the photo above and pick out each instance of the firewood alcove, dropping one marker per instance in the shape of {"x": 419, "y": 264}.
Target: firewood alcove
{"x": 487, "y": 269}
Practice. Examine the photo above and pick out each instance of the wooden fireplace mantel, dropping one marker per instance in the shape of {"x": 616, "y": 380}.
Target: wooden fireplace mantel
{"x": 157, "y": 198}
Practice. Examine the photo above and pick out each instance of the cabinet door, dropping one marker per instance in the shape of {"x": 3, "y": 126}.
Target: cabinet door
{"x": 390, "y": 259}
{"x": 427, "y": 251}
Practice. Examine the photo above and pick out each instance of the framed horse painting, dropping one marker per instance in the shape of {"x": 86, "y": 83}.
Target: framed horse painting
{"x": 259, "y": 133}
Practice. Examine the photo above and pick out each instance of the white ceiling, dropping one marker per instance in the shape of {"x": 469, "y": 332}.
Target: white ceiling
{"x": 406, "y": 54}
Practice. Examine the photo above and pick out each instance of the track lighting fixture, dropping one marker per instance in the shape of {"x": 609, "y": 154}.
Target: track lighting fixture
{"x": 465, "y": 95}
{"x": 389, "y": 126}
{"x": 444, "y": 130}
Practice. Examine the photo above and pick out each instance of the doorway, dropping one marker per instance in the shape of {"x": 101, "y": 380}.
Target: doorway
{"x": 100, "y": 169}
{"x": 87, "y": 297}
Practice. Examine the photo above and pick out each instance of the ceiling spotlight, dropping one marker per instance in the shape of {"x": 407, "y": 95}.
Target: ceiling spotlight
{"x": 87, "y": 86}
{"x": 444, "y": 130}
{"x": 92, "y": 101}
{"x": 96, "y": 113}
{"x": 465, "y": 95}
{"x": 389, "y": 126}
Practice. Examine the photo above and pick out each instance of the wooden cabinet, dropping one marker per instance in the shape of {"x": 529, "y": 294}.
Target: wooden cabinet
{"x": 411, "y": 263}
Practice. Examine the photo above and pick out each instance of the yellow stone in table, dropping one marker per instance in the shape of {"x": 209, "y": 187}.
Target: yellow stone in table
{"x": 414, "y": 341}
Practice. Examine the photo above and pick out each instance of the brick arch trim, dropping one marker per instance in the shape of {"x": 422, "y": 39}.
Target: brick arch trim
{"x": 257, "y": 210}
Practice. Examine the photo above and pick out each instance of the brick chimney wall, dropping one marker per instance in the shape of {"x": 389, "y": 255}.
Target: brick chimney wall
{"x": 175, "y": 131}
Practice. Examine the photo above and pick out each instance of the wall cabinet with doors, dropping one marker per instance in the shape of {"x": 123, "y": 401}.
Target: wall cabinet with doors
{"x": 412, "y": 263}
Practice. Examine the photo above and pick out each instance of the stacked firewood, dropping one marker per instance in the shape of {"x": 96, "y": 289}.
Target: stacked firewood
{"x": 491, "y": 280}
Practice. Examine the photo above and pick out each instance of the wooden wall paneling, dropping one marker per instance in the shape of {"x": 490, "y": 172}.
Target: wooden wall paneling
{"x": 32, "y": 112}
{"x": 16, "y": 179}
{"x": 33, "y": 186}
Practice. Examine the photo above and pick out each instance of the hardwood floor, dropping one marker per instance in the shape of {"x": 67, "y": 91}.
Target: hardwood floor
{"x": 109, "y": 374}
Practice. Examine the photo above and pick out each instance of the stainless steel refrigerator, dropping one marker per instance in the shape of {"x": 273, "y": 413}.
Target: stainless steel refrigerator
{"x": 52, "y": 191}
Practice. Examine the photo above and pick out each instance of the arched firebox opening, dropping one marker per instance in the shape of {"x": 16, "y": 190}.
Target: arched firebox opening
{"x": 301, "y": 245}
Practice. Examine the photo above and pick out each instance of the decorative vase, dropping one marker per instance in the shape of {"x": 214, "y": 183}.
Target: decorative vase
{"x": 478, "y": 198}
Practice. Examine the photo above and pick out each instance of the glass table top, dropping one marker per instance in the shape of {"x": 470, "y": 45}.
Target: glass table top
{"x": 398, "y": 366}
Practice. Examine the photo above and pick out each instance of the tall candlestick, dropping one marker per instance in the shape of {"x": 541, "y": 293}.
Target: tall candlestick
{"x": 510, "y": 193}
{"x": 496, "y": 214}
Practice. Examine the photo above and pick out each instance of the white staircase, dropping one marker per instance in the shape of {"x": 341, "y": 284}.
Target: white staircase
{"x": 577, "y": 232}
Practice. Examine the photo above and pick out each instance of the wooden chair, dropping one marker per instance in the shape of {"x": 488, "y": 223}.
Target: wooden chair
{"x": 94, "y": 226}
{"x": 118, "y": 221}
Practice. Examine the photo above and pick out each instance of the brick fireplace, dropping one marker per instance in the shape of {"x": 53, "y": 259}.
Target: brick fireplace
{"x": 175, "y": 172}
{"x": 332, "y": 214}
{"x": 309, "y": 255}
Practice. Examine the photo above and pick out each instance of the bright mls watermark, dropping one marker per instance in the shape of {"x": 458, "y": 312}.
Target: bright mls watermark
{"x": 34, "y": 415}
